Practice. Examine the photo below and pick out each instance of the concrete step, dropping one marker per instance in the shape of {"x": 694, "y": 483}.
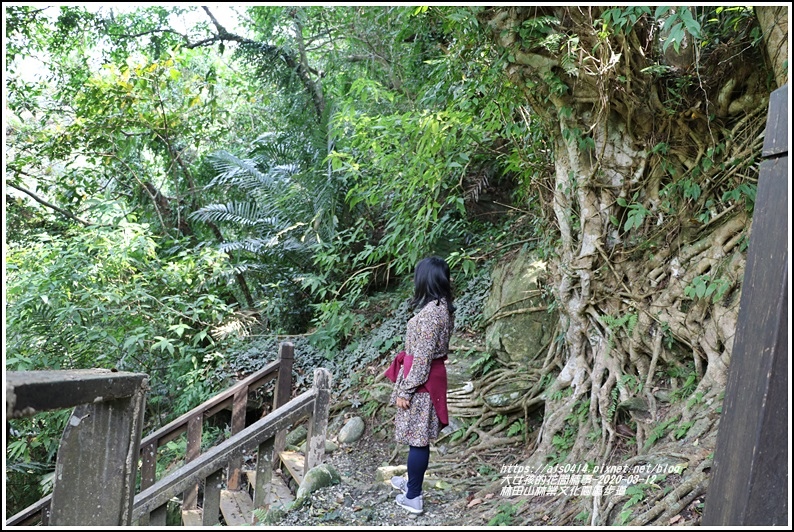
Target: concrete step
{"x": 237, "y": 507}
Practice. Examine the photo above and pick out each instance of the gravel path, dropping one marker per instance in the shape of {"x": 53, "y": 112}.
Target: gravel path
{"x": 360, "y": 499}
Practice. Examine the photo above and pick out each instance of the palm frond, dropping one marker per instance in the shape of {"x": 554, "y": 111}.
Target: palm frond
{"x": 253, "y": 245}
{"x": 272, "y": 147}
{"x": 243, "y": 173}
{"x": 247, "y": 214}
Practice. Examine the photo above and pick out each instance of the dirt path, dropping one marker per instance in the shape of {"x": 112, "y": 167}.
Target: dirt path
{"x": 360, "y": 499}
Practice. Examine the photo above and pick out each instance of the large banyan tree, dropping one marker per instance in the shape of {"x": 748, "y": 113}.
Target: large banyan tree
{"x": 656, "y": 117}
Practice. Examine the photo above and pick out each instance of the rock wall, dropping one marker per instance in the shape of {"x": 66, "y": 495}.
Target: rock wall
{"x": 519, "y": 326}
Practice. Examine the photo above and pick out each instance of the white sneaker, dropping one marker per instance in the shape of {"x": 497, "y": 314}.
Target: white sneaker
{"x": 412, "y": 505}
{"x": 399, "y": 483}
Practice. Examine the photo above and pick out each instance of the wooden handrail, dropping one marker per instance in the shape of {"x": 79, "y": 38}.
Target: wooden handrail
{"x": 212, "y": 461}
{"x": 150, "y": 505}
{"x": 234, "y": 398}
{"x": 37, "y": 513}
{"x": 212, "y": 406}
{"x": 30, "y": 392}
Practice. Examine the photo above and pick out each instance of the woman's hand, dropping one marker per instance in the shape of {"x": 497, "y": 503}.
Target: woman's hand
{"x": 403, "y": 403}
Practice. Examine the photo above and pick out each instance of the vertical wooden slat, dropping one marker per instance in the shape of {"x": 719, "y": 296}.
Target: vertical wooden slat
{"x": 148, "y": 465}
{"x": 286, "y": 355}
{"x": 318, "y": 422}
{"x": 158, "y": 516}
{"x": 750, "y": 484}
{"x": 238, "y": 424}
{"x": 148, "y": 471}
{"x": 212, "y": 498}
{"x": 194, "y": 430}
{"x": 264, "y": 472}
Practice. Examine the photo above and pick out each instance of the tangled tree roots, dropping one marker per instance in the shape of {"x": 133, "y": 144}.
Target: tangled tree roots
{"x": 649, "y": 329}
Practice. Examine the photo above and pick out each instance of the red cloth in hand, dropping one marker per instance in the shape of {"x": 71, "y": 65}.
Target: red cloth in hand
{"x": 436, "y": 384}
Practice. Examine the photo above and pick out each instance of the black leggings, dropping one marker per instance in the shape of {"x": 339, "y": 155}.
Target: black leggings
{"x": 418, "y": 458}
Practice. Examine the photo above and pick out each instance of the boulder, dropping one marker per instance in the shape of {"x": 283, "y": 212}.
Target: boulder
{"x": 320, "y": 476}
{"x": 352, "y": 431}
{"x": 297, "y": 435}
{"x": 515, "y": 330}
{"x": 381, "y": 393}
{"x": 329, "y": 447}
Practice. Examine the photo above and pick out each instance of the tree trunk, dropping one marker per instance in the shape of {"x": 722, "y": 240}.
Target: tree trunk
{"x": 654, "y": 173}
{"x": 774, "y": 27}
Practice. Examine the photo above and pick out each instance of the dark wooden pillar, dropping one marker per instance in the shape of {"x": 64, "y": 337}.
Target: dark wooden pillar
{"x": 750, "y": 485}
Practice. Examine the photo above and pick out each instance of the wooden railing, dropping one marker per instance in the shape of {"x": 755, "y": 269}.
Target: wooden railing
{"x": 105, "y": 425}
{"x": 221, "y": 464}
{"x": 208, "y": 469}
{"x": 192, "y": 423}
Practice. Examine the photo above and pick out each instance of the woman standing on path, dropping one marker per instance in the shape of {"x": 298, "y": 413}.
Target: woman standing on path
{"x": 420, "y": 377}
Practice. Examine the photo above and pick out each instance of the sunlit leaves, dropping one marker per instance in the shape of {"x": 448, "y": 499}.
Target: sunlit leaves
{"x": 678, "y": 23}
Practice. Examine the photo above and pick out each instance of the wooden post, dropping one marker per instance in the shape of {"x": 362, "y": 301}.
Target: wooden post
{"x": 264, "y": 472}
{"x": 97, "y": 458}
{"x": 212, "y": 498}
{"x": 148, "y": 471}
{"x": 318, "y": 421}
{"x": 286, "y": 357}
{"x": 238, "y": 424}
{"x": 750, "y": 474}
{"x": 192, "y": 451}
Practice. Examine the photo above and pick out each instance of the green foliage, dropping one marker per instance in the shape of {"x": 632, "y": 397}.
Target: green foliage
{"x": 678, "y": 22}
{"x": 635, "y": 213}
{"x": 622, "y": 19}
{"x": 583, "y": 517}
{"x": 703, "y": 287}
{"x": 469, "y": 300}
{"x": 687, "y": 388}
{"x": 516, "y": 427}
{"x": 745, "y": 192}
{"x": 561, "y": 394}
{"x": 659, "y": 431}
{"x": 484, "y": 363}
{"x": 636, "y": 493}
{"x": 696, "y": 398}
{"x": 505, "y": 514}
{"x": 563, "y": 441}
{"x": 105, "y": 298}
{"x": 423, "y": 154}
{"x": 626, "y": 321}
{"x": 681, "y": 430}
{"x": 461, "y": 432}
{"x": 579, "y": 413}
{"x": 613, "y": 403}
{"x": 630, "y": 383}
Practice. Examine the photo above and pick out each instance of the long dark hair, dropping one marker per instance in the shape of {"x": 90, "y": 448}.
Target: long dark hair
{"x": 431, "y": 283}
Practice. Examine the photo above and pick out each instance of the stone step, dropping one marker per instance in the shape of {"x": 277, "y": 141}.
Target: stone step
{"x": 295, "y": 463}
{"x": 237, "y": 507}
